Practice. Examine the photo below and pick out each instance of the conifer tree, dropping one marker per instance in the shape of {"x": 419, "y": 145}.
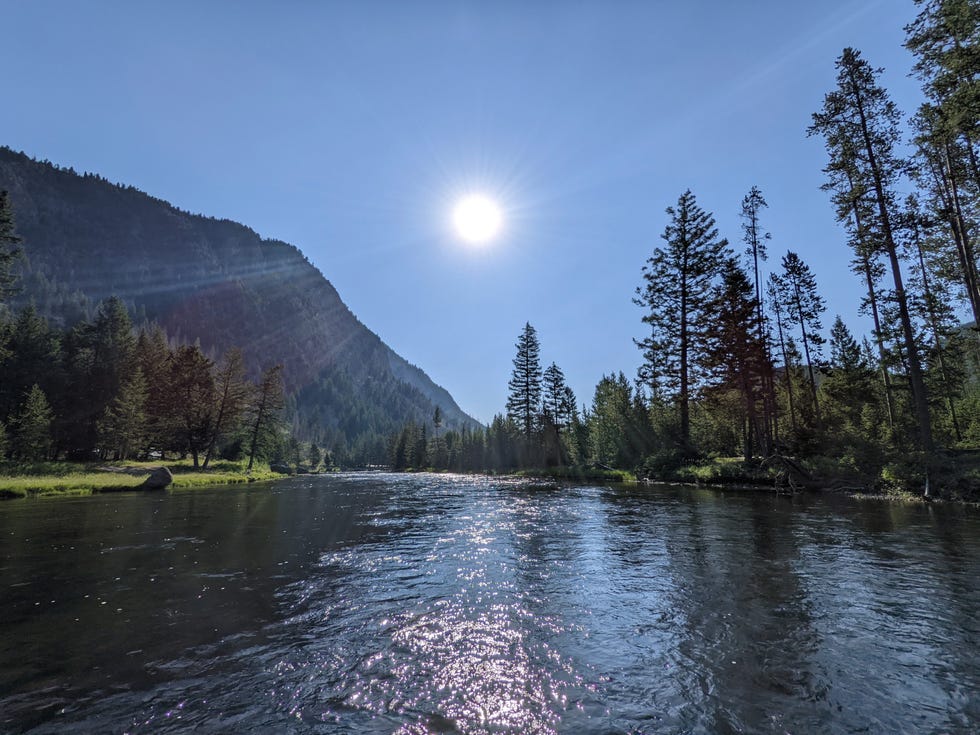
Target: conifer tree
{"x": 419, "y": 450}
{"x": 855, "y": 210}
{"x": 232, "y": 394}
{"x": 559, "y": 399}
{"x": 848, "y": 384}
{"x": 193, "y": 396}
{"x": 264, "y": 411}
{"x": 314, "y": 456}
{"x": 945, "y": 38}
{"x": 34, "y": 356}
{"x": 852, "y": 407}
{"x": 104, "y": 355}
{"x": 772, "y": 289}
{"x": 154, "y": 357}
{"x": 32, "y": 426}
{"x": 678, "y": 282}
{"x": 940, "y": 168}
{"x": 294, "y": 452}
{"x": 755, "y": 238}
{"x": 937, "y": 315}
{"x": 123, "y": 425}
{"x": 796, "y": 290}
{"x": 735, "y": 354}
{"x": 860, "y": 126}
{"x": 524, "y": 399}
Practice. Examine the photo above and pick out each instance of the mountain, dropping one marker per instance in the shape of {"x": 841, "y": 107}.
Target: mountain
{"x": 218, "y": 282}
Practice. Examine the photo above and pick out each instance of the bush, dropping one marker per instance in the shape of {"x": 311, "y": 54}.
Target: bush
{"x": 664, "y": 464}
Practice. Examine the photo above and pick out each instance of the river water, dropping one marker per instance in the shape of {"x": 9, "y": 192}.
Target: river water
{"x": 409, "y": 604}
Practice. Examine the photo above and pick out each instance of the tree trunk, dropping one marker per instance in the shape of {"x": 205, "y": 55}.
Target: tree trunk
{"x": 919, "y": 398}
{"x": 806, "y": 351}
{"x": 936, "y": 341}
{"x": 865, "y": 259}
{"x": 684, "y": 407}
{"x": 254, "y": 443}
{"x": 786, "y": 372}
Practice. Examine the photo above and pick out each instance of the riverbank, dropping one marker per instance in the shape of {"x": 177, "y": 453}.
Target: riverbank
{"x": 954, "y": 476}
{"x": 48, "y": 479}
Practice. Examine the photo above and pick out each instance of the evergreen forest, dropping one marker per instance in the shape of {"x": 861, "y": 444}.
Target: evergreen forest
{"x": 744, "y": 375}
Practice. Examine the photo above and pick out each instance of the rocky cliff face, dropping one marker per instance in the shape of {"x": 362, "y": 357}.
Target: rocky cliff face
{"x": 218, "y": 282}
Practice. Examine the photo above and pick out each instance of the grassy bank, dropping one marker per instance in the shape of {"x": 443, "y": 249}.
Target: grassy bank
{"x": 591, "y": 474}
{"x": 953, "y": 476}
{"x": 85, "y": 478}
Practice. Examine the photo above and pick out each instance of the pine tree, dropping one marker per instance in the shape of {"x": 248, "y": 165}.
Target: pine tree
{"x": 678, "y": 284}
{"x": 105, "y": 352}
{"x": 314, "y": 456}
{"x": 941, "y": 170}
{"x": 123, "y": 426}
{"x": 193, "y": 399}
{"x": 945, "y": 38}
{"x": 34, "y": 356}
{"x": 755, "y": 238}
{"x": 263, "y": 412}
{"x": 619, "y": 430}
{"x": 938, "y": 317}
{"x": 772, "y": 290}
{"x": 419, "y": 449}
{"x": 855, "y": 210}
{"x": 734, "y": 353}
{"x": 860, "y": 126}
{"x": 232, "y": 393}
{"x": 32, "y": 426}
{"x": 524, "y": 399}
{"x": 848, "y": 385}
{"x": 845, "y": 352}
{"x": 294, "y": 452}
{"x": 796, "y": 290}
{"x": 154, "y": 358}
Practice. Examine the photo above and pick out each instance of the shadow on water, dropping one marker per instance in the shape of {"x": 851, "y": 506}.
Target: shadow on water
{"x": 110, "y": 594}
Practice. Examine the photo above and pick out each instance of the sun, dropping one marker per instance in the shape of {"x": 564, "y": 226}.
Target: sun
{"x": 477, "y": 218}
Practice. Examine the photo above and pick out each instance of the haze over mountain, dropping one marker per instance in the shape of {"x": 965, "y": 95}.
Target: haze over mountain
{"x": 218, "y": 282}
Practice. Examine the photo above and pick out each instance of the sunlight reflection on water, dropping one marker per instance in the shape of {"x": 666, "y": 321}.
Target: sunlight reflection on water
{"x": 428, "y": 604}
{"x": 469, "y": 655}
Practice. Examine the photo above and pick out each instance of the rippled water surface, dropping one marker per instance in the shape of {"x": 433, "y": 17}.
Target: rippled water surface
{"x": 439, "y": 604}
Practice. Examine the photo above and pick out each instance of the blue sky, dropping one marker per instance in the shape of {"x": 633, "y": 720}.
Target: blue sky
{"x": 349, "y": 129}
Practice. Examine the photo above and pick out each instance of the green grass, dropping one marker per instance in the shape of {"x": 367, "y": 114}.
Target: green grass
{"x": 580, "y": 473}
{"x": 723, "y": 470}
{"x": 86, "y": 478}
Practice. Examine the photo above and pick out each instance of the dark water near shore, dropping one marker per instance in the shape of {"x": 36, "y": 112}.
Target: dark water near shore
{"x": 440, "y": 604}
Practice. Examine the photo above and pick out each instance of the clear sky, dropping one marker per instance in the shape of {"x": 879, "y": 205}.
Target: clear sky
{"x": 349, "y": 129}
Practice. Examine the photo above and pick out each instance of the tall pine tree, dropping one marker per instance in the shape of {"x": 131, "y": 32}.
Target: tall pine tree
{"x": 678, "y": 283}
{"x": 524, "y": 399}
{"x": 860, "y": 125}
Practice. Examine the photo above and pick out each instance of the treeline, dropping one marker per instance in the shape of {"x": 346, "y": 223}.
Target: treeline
{"x": 543, "y": 426}
{"x": 735, "y": 360}
{"x": 102, "y": 391}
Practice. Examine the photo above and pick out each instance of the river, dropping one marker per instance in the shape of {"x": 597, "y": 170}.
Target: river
{"x": 409, "y": 604}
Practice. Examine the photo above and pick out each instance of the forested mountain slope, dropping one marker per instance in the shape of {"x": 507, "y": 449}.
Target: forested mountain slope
{"x": 218, "y": 282}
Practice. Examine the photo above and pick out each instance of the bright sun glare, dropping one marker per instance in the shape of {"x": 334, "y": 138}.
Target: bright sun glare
{"x": 477, "y": 218}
